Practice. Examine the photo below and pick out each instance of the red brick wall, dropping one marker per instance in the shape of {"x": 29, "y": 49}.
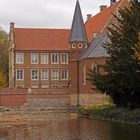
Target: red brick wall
{"x": 74, "y": 66}
{"x": 51, "y": 91}
{"x": 13, "y": 100}
{"x": 15, "y": 97}
{"x": 27, "y": 67}
{"x": 11, "y": 97}
{"x": 88, "y": 88}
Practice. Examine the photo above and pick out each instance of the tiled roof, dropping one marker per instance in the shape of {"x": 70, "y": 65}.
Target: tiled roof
{"x": 95, "y": 48}
{"x": 78, "y": 32}
{"x": 97, "y": 22}
{"x": 41, "y": 39}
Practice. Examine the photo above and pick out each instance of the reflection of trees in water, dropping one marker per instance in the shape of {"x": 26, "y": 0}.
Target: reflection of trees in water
{"x": 88, "y": 129}
{"x": 121, "y": 131}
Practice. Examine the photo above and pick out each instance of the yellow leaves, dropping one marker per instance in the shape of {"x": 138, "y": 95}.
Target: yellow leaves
{"x": 3, "y": 81}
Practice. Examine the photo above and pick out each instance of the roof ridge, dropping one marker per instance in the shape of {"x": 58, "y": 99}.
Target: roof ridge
{"x": 103, "y": 10}
{"x": 97, "y": 22}
{"x": 82, "y": 55}
{"x": 119, "y": 3}
{"x": 41, "y": 28}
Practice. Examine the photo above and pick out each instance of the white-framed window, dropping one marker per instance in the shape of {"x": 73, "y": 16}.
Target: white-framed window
{"x": 80, "y": 45}
{"x": 95, "y": 68}
{"x": 84, "y": 75}
{"x": 44, "y": 74}
{"x": 55, "y": 74}
{"x": 19, "y": 58}
{"x": 34, "y": 58}
{"x": 34, "y": 74}
{"x": 85, "y": 45}
{"x": 55, "y": 58}
{"x": 95, "y": 34}
{"x": 20, "y": 74}
{"x": 44, "y": 58}
{"x": 64, "y": 74}
{"x": 64, "y": 58}
{"x": 73, "y": 45}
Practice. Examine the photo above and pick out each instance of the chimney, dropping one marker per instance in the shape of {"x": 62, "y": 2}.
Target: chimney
{"x": 89, "y": 16}
{"x": 11, "y": 36}
{"x": 102, "y": 7}
{"x": 112, "y": 2}
{"x": 12, "y": 25}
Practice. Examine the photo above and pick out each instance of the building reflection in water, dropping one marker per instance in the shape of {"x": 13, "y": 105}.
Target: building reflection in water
{"x": 67, "y": 129}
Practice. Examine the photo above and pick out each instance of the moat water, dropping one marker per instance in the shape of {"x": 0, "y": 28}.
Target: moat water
{"x": 66, "y": 127}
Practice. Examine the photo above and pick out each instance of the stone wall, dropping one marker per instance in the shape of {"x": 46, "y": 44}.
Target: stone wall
{"x": 35, "y": 99}
{"x": 88, "y": 99}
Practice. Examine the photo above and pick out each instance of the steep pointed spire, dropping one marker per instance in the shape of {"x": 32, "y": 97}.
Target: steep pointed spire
{"x": 78, "y": 32}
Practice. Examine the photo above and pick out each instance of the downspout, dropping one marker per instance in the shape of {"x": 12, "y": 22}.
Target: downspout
{"x": 14, "y": 68}
{"x": 78, "y": 88}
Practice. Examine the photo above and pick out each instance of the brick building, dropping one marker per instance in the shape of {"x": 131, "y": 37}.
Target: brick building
{"x": 59, "y": 59}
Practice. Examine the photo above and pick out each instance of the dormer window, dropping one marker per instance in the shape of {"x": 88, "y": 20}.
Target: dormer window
{"x": 73, "y": 46}
{"x": 80, "y": 45}
{"x": 95, "y": 35}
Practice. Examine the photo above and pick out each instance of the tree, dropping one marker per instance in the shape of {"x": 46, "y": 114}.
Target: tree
{"x": 3, "y": 81}
{"x": 4, "y": 53}
{"x": 122, "y": 81}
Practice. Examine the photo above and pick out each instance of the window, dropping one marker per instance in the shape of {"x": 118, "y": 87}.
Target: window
{"x": 85, "y": 45}
{"x": 80, "y": 45}
{"x": 55, "y": 74}
{"x": 44, "y": 74}
{"x": 73, "y": 46}
{"x": 34, "y": 75}
{"x": 95, "y": 68}
{"x": 64, "y": 58}
{"x": 84, "y": 75}
{"x": 44, "y": 58}
{"x": 54, "y": 58}
{"x": 64, "y": 74}
{"x": 95, "y": 34}
{"x": 34, "y": 58}
{"x": 19, "y": 58}
{"x": 19, "y": 74}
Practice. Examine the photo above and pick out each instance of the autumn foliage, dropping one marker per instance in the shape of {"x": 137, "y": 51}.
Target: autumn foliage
{"x": 3, "y": 58}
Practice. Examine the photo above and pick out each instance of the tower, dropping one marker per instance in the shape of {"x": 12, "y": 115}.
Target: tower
{"x": 78, "y": 42}
{"x": 78, "y": 37}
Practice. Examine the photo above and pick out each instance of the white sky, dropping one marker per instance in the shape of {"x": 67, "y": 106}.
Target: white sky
{"x": 44, "y": 13}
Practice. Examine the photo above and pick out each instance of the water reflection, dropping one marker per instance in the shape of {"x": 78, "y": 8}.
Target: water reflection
{"x": 69, "y": 129}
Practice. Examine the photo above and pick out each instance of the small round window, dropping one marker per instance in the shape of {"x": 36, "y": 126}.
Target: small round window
{"x": 80, "y": 45}
{"x": 85, "y": 45}
{"x": 73, "y": 46}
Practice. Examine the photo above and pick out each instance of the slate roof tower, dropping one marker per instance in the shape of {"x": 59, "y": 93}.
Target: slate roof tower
{"x": 78, "y": 37}
{"x": 78, "y": 32}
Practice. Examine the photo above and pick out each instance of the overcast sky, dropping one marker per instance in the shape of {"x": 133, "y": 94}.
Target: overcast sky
{"x": 44, "y": 13}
